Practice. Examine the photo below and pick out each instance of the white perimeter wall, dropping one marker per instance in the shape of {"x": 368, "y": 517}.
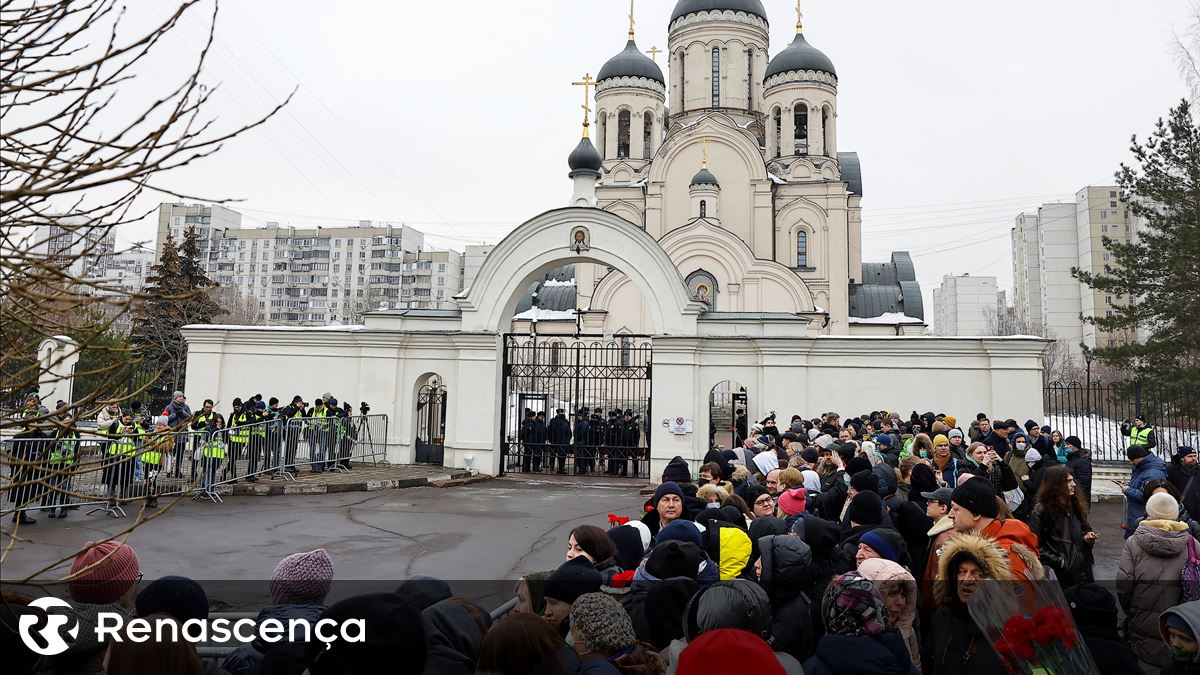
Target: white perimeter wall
{"x": 385, "y": 366}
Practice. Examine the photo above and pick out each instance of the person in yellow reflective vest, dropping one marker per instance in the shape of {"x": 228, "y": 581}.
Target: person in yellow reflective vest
{"x": 1140, "y": 433}
{"x": 239, "y": 435}
{"x": 319, "y": 426}
{"x": 155, "y": 447}
{"x": 292, "y": 419}
{"x": 199, "y": 424}
{"x": 258, "y": 442}
{"x": 61, "y": 462}
{"x": 212, "y": 452}
{"x": 120, "y": 456}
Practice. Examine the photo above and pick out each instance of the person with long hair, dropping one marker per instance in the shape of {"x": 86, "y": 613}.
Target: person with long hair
{"x": 525, "y": 643}
{"x": 1059, "y": 519}
{"x": 593, "y": 543}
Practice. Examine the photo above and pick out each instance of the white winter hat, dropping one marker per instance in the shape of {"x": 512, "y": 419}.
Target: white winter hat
{"x": 1162, "y": 506}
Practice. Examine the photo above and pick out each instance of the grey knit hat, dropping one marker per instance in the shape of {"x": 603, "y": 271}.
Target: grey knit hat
{"x": 602, "y": 623}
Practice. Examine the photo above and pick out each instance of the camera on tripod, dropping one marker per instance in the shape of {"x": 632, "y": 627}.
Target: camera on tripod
{"x": 363, "y": 408}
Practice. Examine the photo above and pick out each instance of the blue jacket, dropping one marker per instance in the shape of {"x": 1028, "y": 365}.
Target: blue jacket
{"x": 1150, "y": 468}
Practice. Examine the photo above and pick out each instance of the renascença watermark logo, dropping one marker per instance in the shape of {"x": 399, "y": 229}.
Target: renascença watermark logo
{"x": 115, "y": 627}
{"x": 52, "y": 641}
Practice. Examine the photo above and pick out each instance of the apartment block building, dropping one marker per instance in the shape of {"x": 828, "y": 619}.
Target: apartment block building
{"x": 315, "y": 275}
{"x": 473, "y": 257}
{"x": 967, "y": 305}
{"x": 1047, "y": 244}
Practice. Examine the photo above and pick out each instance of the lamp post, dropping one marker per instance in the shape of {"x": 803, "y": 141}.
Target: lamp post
{"x": 1087, "y": 381}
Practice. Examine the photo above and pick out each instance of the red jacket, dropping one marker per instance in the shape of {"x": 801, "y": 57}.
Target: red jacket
{"x": 1020, "y": 543}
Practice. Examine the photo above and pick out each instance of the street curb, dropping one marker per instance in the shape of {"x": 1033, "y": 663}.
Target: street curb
{"x": 451, "y": 479}
{"x": 455, "y": 481}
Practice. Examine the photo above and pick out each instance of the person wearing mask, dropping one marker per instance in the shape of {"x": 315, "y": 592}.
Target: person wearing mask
{"x": 1180, "y": 629}
{"x": 1182, "y": 472}
{"x": 1059, "y": 519}
{"x": 1148, "y": 576}
{"x": 946, "y": 467}
{"x": 1146, "y": 467}
{"x": 860, "y": 637}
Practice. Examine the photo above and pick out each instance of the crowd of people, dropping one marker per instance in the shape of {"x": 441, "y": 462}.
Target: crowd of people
{"x": 139, "y": 449}
{"x": 857, "y": 546}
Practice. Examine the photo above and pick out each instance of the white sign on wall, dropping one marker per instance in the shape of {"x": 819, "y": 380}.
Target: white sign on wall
{"x": 680, "y": 425}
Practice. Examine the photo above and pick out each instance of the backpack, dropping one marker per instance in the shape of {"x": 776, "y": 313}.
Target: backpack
{"x": 1189, "y": 576}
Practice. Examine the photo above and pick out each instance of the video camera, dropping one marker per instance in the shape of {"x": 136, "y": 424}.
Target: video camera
{"x": 363, "y": 408}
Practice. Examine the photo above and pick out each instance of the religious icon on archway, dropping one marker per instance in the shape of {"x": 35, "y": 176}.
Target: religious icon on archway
{"x": 701, "y": 293}
{"x": 581, "y": 239}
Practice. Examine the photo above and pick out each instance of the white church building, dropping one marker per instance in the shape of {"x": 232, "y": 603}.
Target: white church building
{"x": 712, "y": 242}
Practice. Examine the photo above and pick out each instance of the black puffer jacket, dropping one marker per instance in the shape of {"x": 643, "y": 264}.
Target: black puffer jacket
{"x": 787, "y": 577}
{"x": 737, "y": 603}
{"x": 1061, "y": 546}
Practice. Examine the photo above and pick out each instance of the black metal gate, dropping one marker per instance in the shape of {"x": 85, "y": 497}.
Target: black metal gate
{"x": 431, "y": 424}
{"x": 597, "y": 375}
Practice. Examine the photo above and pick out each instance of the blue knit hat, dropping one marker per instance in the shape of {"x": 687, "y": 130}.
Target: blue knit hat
{"x": 881, "y": 546}
{"x": 679, "y": 530}
{"x": 667, "y": 488}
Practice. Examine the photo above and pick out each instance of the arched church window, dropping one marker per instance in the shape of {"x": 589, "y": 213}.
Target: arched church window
{"x": 716, "y": 77}
{"x": 827, "y": 133}
{"x": 682, "y": 80}
{"x": 703, "y": 208}
{"x": 555, "y": 355}
{"x": 778, "y": 132}
{"x": 602, "y": 127}
{"x": 623, "y": 134}
{"x": 647, "y": 134}
{"x": 801, "y": 120}
{"x": 802, "y": 249}
{"x": 750, "y": 78}
{"x": 626, "y": 352}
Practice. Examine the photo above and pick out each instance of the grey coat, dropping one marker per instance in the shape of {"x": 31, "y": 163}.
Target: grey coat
{"x": 1148, "y": 584}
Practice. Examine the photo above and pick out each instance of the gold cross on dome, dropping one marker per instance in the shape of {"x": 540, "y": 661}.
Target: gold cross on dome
{"x": 799, "y": 19}
{"x": 654, "y": 52}
{"x": 586, "y": 82}
{"x": 704, "y": 152}
{"x": 630, "y": 19}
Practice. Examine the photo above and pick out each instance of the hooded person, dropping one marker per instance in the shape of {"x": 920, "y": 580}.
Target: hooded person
{"x": 759, "y": 528}
{"x": 1146, "y": 467}
{"x": 1148, "y": 576}
{"x": 899, "y": 591}
{"x": 954, "y": 643}
{"x": 299, "y": 586}
{"x": 737, "y": 604}
{"x": 1095, "y": 612}
{"x": 727, "y": 543}
{"x": 630, "y": 544}
{"x": 454, "y": 630}
{"x": 978, "y": 512}
{"x": 1180, "y": 629}
{"x": 786, "y": 573}
{"x": 396, "y": 636}
{"x": 860, "y": 638}
{"x": 662, "y": 611}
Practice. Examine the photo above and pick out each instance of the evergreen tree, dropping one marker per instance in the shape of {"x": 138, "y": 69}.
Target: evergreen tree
{"x": 176, "y": 297}
{"x": 1160, "y": 271}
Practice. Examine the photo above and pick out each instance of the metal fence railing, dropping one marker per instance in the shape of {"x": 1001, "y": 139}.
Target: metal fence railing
{"x": 105, "y": 471}
{"x": 1099, "y": 413}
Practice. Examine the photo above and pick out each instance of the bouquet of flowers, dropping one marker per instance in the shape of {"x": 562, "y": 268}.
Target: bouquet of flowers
{"x": 1031, "y": 628}
{"x": 616, "y": 521}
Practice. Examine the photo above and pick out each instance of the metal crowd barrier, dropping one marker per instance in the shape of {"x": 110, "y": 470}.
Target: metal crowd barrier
{"x": 104, "y": 472}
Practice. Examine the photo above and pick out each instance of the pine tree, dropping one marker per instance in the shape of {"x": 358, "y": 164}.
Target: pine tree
{"x": 177, "y": 290}
{"x": 1160, "y": 271}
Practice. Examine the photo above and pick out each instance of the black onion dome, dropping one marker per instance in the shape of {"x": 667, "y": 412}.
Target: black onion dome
{"x": 631, "y": 62}
{"x": 799, "y": 56}
{"x": 585, "y": 156}
{"x": 685, "y": 7}
{"x": 704, "y": 177}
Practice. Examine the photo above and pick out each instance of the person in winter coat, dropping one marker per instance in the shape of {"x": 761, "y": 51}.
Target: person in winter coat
{"x": 1182, "y": 472}
{"x": 558, "y": 434}
{"x": 728, "y": 650}
{"x": 860, "y": 637}
{"x": 1148, "y": 577}
{"x": 523, "y": 644}
{"x": 954, "y": 643}
{"x": 668, "y": 561}
{"x": 299, "y": 585}
{"x": 1079, "y": 461}
{"x": 938, "y": 510}
{"x": 1065, "y": 538}
{"x": 593, "y": 543}
{"x": 602, "y": 631}
{"x": 454, "y": 630}
{"x": 1095, "y": 612}
{"x": 1139, "y": 433}
{"x": 1146, "y": 467}
{"x": 946, "y": 467}
{"x": 1058, "y": 446}
{"x": 899, "y": 591}
{"x": 985, "y": 463}
{"x": 785, "y": 572}
{"x": 1180, "y": 628}
{"x": 737, "y": 604}
{"x": 975, "y": 510}
{"x": 1165, "y": 486}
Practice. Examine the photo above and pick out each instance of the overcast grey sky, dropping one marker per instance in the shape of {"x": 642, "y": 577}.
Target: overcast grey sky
{"x": 457, "y": 117}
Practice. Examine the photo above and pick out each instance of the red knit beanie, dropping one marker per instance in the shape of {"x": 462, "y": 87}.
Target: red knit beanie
{"x": 103, "y": 572}
{"x": 728, "y": 650}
